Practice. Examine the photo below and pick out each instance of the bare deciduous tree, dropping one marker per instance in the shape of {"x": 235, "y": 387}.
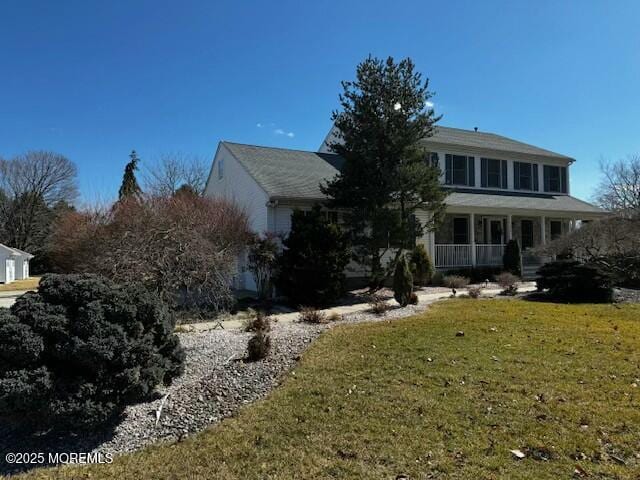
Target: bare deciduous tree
{"x": 47, "y": 175}
{"x": 173, "y": 171}
{"x": 619, "y": 191}
{"x": 613, "y": 243}
{"x": 34, "y": 187}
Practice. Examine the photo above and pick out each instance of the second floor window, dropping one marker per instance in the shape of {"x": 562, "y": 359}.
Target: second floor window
{"x": 493, "y": 173}
{"x": 555, "y": 179}
{"x": 525, "y": 176}
{"x": 459, "y": 170}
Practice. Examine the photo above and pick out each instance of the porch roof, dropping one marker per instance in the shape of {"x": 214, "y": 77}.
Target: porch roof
{"x": 526, "y": 202}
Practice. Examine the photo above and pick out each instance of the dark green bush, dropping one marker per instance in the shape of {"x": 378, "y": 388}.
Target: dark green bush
{"x": 311, "y": 266}
{"x": 572, "y": 281}
{"x": 402, "y": 282}
{"x": 512, "y": 259}
{"x": 75, "y": 353}
{"x": 421, "y": 265}
{"x": 259, "y": 346}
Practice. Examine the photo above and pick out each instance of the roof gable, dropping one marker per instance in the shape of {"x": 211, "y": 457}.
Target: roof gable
{"x": 284, "y": 173}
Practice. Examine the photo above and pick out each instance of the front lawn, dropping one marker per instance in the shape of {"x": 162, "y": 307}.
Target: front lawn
{"x": 557, "y": 382}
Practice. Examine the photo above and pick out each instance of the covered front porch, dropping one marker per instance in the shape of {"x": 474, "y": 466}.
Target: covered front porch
{"x": 479, "y": 238}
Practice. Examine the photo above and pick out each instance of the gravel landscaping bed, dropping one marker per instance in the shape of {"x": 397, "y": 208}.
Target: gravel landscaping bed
{"x": 217, "y": 381}
{"x": 626, "y": 295}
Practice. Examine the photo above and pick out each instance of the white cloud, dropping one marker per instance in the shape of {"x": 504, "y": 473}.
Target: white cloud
{"x": 280, "y": 131}
{"x": 276, "y": 130}
{"x": 429, "y": 104}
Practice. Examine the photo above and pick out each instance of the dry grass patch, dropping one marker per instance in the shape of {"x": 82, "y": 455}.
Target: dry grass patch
{"x": 410, "y": 397}
{"x": 30, "y": 283}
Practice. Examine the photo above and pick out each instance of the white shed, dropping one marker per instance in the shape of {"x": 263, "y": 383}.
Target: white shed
{"x": 14, "y": 264}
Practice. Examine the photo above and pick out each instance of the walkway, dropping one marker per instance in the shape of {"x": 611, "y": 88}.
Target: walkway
{"x": 423, "y": 299}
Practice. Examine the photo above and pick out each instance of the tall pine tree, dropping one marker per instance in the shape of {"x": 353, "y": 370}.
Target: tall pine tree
{"x": 387, "y": 175}
{"x": 130, "y": 187}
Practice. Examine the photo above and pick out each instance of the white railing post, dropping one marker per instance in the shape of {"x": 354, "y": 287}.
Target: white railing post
{"x": 509, "y": 228}
{"x": 472, "y": 237}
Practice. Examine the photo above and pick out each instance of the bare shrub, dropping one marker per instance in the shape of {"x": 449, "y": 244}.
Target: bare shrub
{"x": 183, "y": 247}
{"x": 378, "y": 305}
{"x": 474, "y": 292}
{"x": 258, "y": 322}
{"x": 263, "y": 256}
{"x": 612, "y": 244}
{"x": 311, "y": 315}
{"x": 455, "y": 282}
{"x": 334, "y": 317}
{"x": 509, "y": 283}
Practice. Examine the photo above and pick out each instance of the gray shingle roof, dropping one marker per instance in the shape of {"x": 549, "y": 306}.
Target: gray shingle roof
{"x": 487, "y": 141}
{"x": 521, "y": 201}
{"x": 297, "y": 174}
{"x": 284, "y": 173}
{"x": 15, "y": 251}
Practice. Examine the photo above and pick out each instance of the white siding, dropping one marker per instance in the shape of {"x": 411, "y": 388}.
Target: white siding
{"x": 238, "y": 186}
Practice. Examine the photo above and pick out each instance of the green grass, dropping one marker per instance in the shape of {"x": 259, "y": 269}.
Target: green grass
{"x": 366, "y": 402}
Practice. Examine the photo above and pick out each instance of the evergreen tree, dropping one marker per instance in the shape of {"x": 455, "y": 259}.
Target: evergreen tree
{"x": 402, "y": 282}
{"x": 130, "y": 187}
{"x": 386, "y": 174}
{"x": 512, "y": 259}
{"x": 315, "y": 254}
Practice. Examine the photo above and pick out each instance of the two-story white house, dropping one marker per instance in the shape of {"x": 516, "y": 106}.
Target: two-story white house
{"x": 501, "y": 189}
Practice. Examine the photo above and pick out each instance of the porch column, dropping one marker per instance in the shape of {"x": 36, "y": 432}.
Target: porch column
{"x": 509, "y": 228}
{"x": 431, "y": 236}
{"x": 543, "y": 230}
{"x": 472, "y": 237}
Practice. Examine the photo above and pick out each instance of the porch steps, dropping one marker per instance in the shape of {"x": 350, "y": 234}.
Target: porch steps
{"x": 529, "y": 272}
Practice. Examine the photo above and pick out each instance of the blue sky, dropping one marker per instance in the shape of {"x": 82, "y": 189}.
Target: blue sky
{"x": 94, "y": 79}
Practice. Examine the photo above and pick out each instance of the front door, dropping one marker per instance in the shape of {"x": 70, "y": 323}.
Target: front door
{"x": 495, "y": 232}
{"x": 526, "y": 227}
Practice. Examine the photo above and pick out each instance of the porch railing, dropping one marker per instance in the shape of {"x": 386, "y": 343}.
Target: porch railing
{"x": 461, "y": 255}
{"x": 489, "y": 255}
{"x": 453, "y": 255}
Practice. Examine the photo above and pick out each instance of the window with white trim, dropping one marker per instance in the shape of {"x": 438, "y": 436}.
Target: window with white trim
{"x": 493, "y": 173}
{"x": 459, "y": 170}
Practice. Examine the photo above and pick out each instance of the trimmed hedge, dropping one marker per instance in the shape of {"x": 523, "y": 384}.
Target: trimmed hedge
{"x": 573, "y": 281}
{"x": 75, "y": 353}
